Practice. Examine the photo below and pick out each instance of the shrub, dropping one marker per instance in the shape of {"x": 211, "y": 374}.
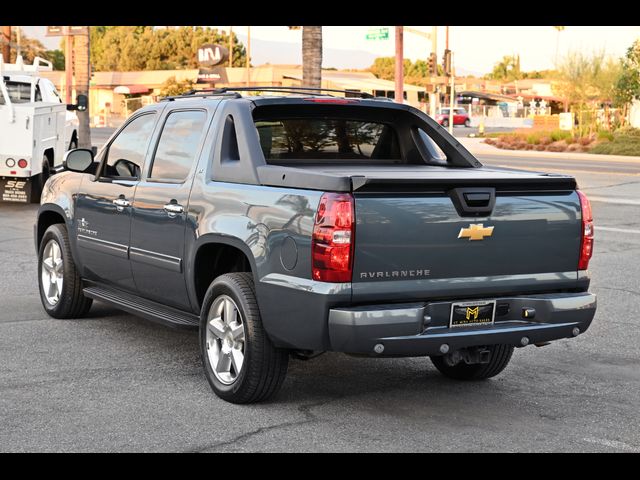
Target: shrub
{"x": 560, "y": 135}
{"x": 533, "y": 139}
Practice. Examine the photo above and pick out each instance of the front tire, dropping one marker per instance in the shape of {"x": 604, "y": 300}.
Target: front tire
{"x": 499, "y": 359}
{"x": 445, "y": 123}
{"x": 59, "y": 282}
{"x": 240, "y": 362}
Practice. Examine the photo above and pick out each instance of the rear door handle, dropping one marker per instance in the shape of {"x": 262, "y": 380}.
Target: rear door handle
{"x": 121, "y": 203}
{"x": 173, "y": 209}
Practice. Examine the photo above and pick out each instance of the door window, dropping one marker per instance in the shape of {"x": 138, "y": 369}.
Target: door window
{"x": 125, "y": 156}
{"x": 178, "y": 145}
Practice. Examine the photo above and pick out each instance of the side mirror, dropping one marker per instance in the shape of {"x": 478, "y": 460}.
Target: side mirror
{"x": 81, "y": 105}
{"x": 78, "y": 160}
{"x": 82, "y": 102}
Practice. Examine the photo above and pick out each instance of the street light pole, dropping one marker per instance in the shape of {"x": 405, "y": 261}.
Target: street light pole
{"x": 248, "y": 56}
{"x": 399, "y": 73}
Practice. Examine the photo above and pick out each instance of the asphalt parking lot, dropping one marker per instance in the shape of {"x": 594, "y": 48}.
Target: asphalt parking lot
{"x": 114, "y": 382}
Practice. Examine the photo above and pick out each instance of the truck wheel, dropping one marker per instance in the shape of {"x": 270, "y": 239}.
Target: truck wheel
{"x": 37, "y": 183}
{"x": 240, "y": 362}
{"x": 500, "y": 356}
{"x": 60, "y": 283}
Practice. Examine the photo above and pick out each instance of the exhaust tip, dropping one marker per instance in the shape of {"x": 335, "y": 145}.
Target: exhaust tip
{"x": 524, "y": 341}
{"x": 575, "y": 332}
{"x": 444, "y": 348}
{"x": 378, "y": 348}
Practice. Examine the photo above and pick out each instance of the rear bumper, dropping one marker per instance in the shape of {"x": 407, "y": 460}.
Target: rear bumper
{"x": 417, "y": 329}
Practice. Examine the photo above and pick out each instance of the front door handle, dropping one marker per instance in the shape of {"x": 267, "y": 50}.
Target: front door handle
{"x": 173, "y": 209}
{"x": 121, "y": 203}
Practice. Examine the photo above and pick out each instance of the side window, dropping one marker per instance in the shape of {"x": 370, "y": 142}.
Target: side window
{"x": 178, "y": 145}
{"x": 126, "y": 153}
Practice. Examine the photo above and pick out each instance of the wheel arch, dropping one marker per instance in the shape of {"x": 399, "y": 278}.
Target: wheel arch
{"x": 214, "y": 255}
{"x": 48, "y": 214}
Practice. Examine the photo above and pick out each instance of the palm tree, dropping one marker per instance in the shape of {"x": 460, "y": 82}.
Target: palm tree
{"x": 559, "y": 29}
{"x": 312, "y": 57}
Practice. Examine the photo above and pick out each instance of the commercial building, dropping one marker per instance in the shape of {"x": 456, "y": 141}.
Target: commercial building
{"x": 114, "y": 95}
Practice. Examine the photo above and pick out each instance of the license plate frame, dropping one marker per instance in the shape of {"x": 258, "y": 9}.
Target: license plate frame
{"x": 471, "y": 305}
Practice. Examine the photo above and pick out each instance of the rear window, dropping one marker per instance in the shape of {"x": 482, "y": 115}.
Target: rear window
{"x": 20, "y": 92}
{"x": 327, "y": 139}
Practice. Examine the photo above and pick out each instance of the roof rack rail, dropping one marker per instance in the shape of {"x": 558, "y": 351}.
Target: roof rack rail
{"x": 229, "y": 90}
{"x": 197, "y": 94}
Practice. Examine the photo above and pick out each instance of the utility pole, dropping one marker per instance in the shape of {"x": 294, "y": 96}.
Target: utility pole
{"x": 230, "y": 46}
{"x": 18, "y": 41}
{"x": 248, "y": 56}
{"x": 452, "y": 96}
{"x": 6, "y": 43}
{"x": 399, "y": 73}
{"x": 68, "y": 66}
{"x": 82, "y": 69}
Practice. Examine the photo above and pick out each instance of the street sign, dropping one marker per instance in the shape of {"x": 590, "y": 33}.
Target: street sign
{"x": 566, "y": 121}
{"x": 58, "y": 31}
{"x": 55, "y": 31}
{"x": 378, "y": 34}
{"x": 210, "y": 55}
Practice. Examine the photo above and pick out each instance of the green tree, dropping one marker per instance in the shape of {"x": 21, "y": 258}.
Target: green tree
{"x": 129, "y": 48}
{"x": 507, "y": 69}
{"x": 56, "y": 57}
{"x": 414, "y": 73}
{"x": 587, "y": 78}
{"x": 172, "y": 87}
{"x": 627, "y": 87}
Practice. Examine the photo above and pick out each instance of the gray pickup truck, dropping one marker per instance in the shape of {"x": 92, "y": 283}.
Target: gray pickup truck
{"x": 289, "y": 225}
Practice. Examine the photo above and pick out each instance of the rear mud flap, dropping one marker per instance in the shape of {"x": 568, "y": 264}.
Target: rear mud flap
{"x": 16, "y": 190}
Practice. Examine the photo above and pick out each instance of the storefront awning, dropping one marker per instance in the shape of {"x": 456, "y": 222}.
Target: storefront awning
{"x": 130, "y": 89}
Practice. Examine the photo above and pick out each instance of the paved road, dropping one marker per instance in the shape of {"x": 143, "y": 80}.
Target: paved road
{"x": 116, "y": 382}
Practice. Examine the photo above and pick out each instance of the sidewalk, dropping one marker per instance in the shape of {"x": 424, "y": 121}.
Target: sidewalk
{"x": 478, "y": 147}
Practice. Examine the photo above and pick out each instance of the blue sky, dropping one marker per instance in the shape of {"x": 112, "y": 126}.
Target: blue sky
{"x": 476, "y": 49}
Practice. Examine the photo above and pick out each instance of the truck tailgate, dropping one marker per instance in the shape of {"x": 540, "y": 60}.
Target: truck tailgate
{"x": 412, "y": 245}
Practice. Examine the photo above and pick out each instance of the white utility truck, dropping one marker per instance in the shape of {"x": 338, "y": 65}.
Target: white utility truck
{"x": 36, "y": 129}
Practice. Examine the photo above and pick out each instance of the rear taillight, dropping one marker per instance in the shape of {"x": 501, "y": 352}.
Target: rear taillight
{"x": 586, "y": 245}
{"x": 333, "y": 238}
{"x": 22, "y": 163}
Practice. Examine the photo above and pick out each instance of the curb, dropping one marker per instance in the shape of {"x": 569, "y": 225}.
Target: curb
{"x": 479, "y": 148}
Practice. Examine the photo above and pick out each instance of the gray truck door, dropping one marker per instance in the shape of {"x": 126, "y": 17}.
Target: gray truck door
{"x": 160, "y": 208}
{"x": 103, "y": 206}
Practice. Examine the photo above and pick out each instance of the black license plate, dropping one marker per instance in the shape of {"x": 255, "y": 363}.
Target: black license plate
{"x": 469, "y": 314}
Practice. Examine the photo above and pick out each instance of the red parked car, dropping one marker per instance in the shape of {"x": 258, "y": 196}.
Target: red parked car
{"x": 460, "y": 117}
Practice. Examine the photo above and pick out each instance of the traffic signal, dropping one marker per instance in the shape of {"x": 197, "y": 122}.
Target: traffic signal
{"x": 446, "y": 62}
{"x": 433, "y": 64}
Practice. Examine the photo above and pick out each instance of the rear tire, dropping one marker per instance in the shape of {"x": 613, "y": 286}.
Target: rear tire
{"x": 240, "y": 362}
{"x": 467, "y": 123}
{"x": 59, "y": 282}
{"x": 445, "y": 123}
{"x": 500, "y": 357}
